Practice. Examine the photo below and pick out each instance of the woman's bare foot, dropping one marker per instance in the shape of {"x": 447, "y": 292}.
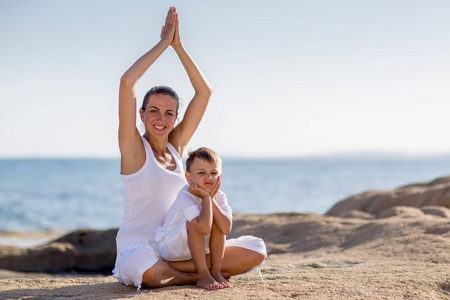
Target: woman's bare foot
{"x": 226, "y": 275}
{"x": 221, "y": 280}
{"x": 207, "y": 282}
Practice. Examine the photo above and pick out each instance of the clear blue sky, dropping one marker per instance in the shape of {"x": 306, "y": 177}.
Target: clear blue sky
{"x": 290, "y": 78}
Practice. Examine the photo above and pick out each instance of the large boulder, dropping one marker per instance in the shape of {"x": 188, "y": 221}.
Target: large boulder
{"x": 433, "y": 193}
{"x": 81, "y": 250}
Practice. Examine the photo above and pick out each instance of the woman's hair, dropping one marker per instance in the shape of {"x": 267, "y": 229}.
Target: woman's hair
{"x": 205, "y": 154}
{"x": 160, "y": 90}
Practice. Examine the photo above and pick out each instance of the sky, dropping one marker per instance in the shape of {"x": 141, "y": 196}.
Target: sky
{"x": 290, "y": 78}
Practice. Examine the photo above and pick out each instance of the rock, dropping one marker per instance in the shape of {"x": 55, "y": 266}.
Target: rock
{"x": 401, "y": 211}
{"x": 81, "y": 250}
{"x": 357, "y": 214}
{"x": 434, "y": 193}
{"x": 95, "y": 249}
{"x": 436, "y": 211}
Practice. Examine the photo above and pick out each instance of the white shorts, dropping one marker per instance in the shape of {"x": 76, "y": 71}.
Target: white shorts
{"x": 134, "y": 261}
{"x": 173, "y": 245}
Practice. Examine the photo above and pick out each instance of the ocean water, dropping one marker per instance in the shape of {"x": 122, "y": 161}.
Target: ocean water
{"x": 67, "y": 194}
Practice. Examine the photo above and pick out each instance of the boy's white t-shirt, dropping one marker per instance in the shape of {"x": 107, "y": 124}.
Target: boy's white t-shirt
{"x": 172, "y": 236}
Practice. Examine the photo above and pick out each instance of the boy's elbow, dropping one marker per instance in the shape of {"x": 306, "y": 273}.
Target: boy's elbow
{"x": 199, "y": 225}
{"x": 203, "y": 228}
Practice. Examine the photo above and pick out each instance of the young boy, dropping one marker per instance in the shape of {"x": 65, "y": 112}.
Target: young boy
{"x": 199, "y": 220}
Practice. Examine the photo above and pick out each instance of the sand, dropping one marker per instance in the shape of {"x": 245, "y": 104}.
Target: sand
{"x": 405, "y": 256}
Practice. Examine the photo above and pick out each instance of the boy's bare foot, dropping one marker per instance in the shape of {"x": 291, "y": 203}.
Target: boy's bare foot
{"x": 222, "y": 281}
{"x": 207, "y": 282}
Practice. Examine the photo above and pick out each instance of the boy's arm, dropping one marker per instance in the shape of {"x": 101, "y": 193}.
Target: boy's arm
{"x": 222, "y": 220}
{"x": 203, "y": 222}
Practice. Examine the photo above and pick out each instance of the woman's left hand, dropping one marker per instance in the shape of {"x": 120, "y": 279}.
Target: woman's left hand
{"x": 176, "y": 37}
{"x": 168, "y": 30}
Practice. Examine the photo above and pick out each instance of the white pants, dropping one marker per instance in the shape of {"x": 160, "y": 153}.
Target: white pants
{"x": 134, "y": 261}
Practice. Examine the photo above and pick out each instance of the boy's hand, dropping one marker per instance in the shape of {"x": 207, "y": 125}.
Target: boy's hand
{"x": 195, "y": 190}
{"x": 216, "y": 187}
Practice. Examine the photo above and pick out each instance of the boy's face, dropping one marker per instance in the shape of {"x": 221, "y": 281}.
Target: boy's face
{"x": 204, "y": 174}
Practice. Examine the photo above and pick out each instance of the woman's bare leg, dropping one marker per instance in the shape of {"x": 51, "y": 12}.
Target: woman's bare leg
{"x": 161, "y": 274}
{"x": 217, "y": 251}
{"x": 237, "y": 260}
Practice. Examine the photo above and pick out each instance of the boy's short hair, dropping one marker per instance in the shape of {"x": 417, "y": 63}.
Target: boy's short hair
{"x": 204, "y": 153}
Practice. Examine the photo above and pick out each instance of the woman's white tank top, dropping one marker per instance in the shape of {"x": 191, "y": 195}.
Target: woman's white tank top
{"x": 148, "y": 194}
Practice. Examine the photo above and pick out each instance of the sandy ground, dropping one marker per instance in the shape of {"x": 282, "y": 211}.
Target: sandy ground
{"x": 344, "y": 276}
{"x": 311, "y": 257}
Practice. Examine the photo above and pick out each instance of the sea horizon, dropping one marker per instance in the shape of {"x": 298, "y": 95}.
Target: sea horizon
{"x": 375, "y": 155}
{"x": 64, "y": 194}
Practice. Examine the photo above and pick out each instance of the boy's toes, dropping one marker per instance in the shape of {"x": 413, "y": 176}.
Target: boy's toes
{"x": 214, "y": 286}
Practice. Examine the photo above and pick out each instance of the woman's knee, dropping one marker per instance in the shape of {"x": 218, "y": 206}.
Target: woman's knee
{"x": 239, "y": 260}
{"x": 253, "y": 259}
{"x": 257, "y": 258}
{"x": 153, "y": 276}
{"x": 149, "y": 277}
{"x": 161, "y": 274}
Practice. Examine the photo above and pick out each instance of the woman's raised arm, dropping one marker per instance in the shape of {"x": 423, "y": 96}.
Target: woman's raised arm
{"x": 129, "y": 138}
{"x": 196, "y": 108}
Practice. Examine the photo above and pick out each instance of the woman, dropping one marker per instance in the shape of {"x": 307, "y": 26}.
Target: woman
{"x": 152, "y": 172}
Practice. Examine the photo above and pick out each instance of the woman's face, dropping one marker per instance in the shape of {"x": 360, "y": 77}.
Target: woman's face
{"x": 160, "y": 115}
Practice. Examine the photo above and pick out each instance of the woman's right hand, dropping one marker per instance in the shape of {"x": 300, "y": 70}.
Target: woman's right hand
{"x": 168, "y": 30}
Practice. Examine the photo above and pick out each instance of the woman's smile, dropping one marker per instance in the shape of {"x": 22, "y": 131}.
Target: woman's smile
{"x": 160, "y": 127}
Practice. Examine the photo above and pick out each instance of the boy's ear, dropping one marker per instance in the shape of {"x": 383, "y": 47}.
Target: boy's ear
{"x": 188, "y": 177}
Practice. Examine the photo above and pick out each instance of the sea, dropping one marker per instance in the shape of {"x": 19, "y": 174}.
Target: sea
{"x": 45, "y": 195}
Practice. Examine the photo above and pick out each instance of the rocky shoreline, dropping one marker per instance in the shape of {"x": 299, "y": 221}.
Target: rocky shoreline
{"x": 377, "y": 244}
